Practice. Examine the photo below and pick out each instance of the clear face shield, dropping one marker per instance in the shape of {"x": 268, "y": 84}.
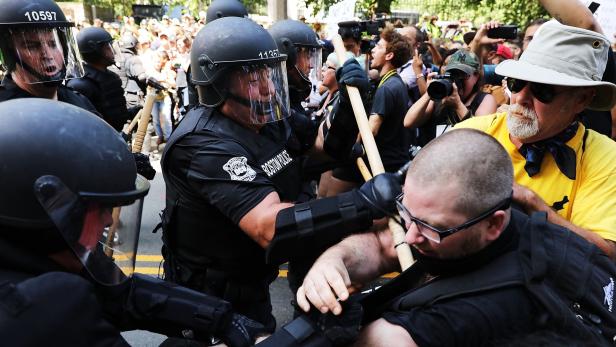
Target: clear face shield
{"x": 309, "y": 62}
{"x": 45, "y": 55}
{"x": 108, "y": 52}
{"x": 103, "y": 234}
{"x": 262, "y": 89}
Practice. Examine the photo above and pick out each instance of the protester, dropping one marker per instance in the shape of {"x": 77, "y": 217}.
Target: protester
{"x": 473, "y": 283}
{"x": 556, "y": 78}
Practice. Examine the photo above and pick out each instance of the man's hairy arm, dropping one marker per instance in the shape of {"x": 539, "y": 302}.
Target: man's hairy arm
{"x": 345, "y": 268}
{"x": 573, "y": 13}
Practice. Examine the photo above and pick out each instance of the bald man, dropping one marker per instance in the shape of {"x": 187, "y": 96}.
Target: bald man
{"x": 456, "y": 210}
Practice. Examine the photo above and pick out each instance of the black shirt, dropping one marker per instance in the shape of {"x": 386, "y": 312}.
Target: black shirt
{"x": 9, "y": 91}
{"x": 391, "y": 102}
{"x": 472, "y": 320}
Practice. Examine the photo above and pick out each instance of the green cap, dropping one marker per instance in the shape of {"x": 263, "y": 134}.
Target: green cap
{"x": 464, "y": 61}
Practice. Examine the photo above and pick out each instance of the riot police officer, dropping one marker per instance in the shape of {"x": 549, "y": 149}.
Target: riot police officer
{"x": 299, "y": 42}
{"x": 38, "y": 51}
{"x": 225, "y": 8}
{"x": 217, "y": 9}
{"x": 133, "y": 73}
{"x": 232, "y": 179}
{"x": 62, "y": 278}
{"x": 101, "y": 86}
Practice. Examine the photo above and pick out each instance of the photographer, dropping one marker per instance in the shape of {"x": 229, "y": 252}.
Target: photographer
{"x": 456, "y": 96}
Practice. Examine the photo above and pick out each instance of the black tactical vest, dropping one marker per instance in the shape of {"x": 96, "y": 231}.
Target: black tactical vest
{"x": 196, "y": 231}
{"x": 108, "y": 97}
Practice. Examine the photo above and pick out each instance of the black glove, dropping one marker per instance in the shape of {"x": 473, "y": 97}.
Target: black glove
{"x": 352, "y": 74}
{"x": 242, "y": 331}
{"x": 380, "y": 194}
{"x": 144, "y": 168}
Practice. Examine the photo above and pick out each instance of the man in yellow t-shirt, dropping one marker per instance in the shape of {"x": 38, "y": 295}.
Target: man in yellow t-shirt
{"x": 559, "y": 166}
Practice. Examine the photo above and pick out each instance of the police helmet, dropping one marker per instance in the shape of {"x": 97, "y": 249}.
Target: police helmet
{"x": 92, "y": 42}
{"x": 299, "y": 42}
{"x": 129, "y": 41}
{"x": 225, "y": 8}
{"x": 231, "y": 51}
{"x": 64, "y": 170}
{"x": 37, "y": 40}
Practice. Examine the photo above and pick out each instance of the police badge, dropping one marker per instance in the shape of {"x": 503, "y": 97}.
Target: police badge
{"x": 239, "y": 170}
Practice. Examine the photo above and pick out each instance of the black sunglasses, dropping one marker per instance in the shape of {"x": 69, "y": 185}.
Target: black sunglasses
{"x": 436, "y": 234}
{"x": 541, "y": 91}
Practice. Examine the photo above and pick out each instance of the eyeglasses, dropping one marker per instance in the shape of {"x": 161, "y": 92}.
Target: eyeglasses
{"x": 435, "y": 234}
{"x": 542, "y": 92}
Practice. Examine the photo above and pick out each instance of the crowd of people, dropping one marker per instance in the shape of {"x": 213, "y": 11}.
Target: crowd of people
{"x": 508, "y": 208}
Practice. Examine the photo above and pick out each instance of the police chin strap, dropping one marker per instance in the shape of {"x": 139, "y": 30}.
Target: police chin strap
{"x": 261, "y": 108}
{"x": 56, "y": 79}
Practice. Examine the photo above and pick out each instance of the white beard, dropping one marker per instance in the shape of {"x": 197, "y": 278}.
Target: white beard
{"x": 522, "y": 122}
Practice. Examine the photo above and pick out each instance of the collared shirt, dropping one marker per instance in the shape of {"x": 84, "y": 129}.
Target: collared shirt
{"x": 589, "y": 201}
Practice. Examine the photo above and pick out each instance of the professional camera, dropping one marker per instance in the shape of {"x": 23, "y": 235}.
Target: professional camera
{"x": 362, "y": 31}
{"x": 441, "y": 86}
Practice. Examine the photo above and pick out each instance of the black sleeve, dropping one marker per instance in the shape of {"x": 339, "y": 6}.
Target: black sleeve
{"x": 54, "y": 308}
{"x": 468, "y": 321}
{"x": 226, "y": 176}
{"x": 84, "y": 86}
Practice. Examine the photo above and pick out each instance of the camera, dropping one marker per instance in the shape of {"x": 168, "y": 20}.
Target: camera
{"x": 441, "y": 87}
{"x": 504, "y": 32}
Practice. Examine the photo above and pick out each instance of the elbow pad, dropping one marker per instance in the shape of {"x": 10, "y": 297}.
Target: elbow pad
{"x": 168, "y": 308}
{"x": 311, "y": 227}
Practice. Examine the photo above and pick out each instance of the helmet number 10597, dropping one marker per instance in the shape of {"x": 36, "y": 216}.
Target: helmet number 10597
{"x": 40, "y": 15}
{"x": 272, "y": 53}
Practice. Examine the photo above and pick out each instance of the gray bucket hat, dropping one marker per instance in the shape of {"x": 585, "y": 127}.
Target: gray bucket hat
{"x": 565, "y": 56}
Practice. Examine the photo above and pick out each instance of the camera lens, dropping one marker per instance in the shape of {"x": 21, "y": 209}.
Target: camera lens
{"x": 439, "y": 89}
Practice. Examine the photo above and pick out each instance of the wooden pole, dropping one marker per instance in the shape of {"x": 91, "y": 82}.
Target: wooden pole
{"x": 402, "y": 248}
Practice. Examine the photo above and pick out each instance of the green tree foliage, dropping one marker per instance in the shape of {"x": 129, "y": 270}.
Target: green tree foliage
{"x": 124, "y": 7}
{"x": 506, "y": 11}
{"x": 519, "y": 12}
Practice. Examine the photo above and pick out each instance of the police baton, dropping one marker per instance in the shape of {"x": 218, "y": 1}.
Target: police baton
{"x": 402, "y": 248}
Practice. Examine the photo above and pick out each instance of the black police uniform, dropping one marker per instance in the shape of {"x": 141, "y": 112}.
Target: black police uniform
{"x": 104, "y": 90}
{"x": 133, "y": 77}
{"x": 9, "y": 91}
{"x": 33, "y": 296}
{"x": 215, "y": 172}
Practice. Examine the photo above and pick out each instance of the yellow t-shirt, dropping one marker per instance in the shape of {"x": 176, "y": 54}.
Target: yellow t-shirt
{"x": 589, "y": 201}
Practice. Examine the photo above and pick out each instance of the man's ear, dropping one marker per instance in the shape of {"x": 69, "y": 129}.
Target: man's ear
{"x": 496, "y": 224}
{"x": 389, "y": 56}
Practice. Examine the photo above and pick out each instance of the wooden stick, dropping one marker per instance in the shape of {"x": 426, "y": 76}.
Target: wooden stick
{"x": 134, "y": 122}
{"x": 402, "y": 248}
{"x": 146, "y": 113}
{"x": 109, "y": 244}
{"x": 363, "y": 168}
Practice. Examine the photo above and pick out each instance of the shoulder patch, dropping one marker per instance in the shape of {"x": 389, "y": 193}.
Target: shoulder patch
{"x": 239, "y": 170}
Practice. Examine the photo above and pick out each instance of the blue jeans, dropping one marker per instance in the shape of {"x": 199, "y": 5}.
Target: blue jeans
{"x": 161, "y": 117}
